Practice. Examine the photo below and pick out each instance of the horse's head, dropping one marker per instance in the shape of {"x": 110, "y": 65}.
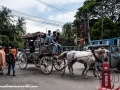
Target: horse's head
{"x": 102, "y": 52}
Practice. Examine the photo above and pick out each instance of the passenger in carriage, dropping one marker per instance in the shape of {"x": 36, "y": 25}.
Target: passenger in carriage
{"x": 58, "y": 41}
{"x": 48, "y": 37}
{"x": 31, "y": 46}
{"x": 57, "y": 46}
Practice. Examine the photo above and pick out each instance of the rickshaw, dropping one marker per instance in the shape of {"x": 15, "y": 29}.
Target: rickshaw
{"x": 38, "y": 52}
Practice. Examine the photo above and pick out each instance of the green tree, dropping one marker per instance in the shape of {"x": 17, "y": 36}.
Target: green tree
{"x": 5, "y": 18}
{"x": 67, "y": 34}
{"x": 67, "y": 30}
{"x": 4, "y": 39}
{"x": 110, "y": 29}
{"x": 10, "y": 29}
{"x": 21, "y": 25}
{"x": 84, "y": 14}
{"x": 93, "y": 10}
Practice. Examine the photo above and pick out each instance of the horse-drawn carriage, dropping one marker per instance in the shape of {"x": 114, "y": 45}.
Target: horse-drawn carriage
{"x": 39, "y": 53}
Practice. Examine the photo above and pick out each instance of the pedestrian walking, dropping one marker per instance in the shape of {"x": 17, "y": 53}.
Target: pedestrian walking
{"x": 2, "y": 60}
{"x": 14, "y": 52}
{"x": 11, "y": 62}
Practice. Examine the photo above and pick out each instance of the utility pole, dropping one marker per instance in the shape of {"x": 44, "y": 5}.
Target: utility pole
{"x": 102, "y": 28}
{"x": 46, "y": 30}
{"x": 102, "y": 21}
{"x": 85, "y": 27}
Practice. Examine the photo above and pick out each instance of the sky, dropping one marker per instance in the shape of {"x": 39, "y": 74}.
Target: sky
{"x": 33, "y": 9}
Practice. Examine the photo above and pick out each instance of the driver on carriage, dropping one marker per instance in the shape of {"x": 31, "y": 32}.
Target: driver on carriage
{"x": 55, "y": 42}
{"x": 48, "y": 37}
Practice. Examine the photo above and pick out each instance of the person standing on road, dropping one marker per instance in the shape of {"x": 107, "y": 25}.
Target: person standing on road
{"x": 11, "y": 61}
{"x": 7, "y": 53}
{"x": 3, "y": 47}
{"x": 14, "y": 52}
{"x": 2, "y": 60}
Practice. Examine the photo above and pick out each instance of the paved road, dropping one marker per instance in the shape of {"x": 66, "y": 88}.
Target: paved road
{"x": 32, "y": 76}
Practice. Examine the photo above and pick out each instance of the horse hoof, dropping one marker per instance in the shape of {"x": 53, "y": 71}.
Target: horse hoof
{"x": 63, "y": 74}
{"x": 95, "y": 75}
{"x": 71, "y": 75}
{"x": 100, "y": 78}
{"x": 85, "y": 77}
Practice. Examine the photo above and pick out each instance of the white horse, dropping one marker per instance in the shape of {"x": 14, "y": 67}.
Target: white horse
{"x": 88, "y": 58}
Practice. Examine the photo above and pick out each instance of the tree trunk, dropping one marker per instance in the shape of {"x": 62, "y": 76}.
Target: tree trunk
{"x": 88, "y": 29}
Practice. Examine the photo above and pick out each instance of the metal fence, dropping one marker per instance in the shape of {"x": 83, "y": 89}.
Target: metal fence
{"x": 68, "y": 48}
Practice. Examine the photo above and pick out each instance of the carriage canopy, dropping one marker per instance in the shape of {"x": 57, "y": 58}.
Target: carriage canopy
{"x": 34, "y": 35}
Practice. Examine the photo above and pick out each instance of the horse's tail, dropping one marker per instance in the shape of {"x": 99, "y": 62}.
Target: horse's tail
{"x": 62, "y": 55}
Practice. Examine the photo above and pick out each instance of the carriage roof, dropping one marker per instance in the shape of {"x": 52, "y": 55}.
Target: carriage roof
{"x": 29, "y": 35}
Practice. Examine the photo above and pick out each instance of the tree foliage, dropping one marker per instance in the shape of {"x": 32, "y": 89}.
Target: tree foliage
{"x": 10, "y": 29}
{"x": 91, "y": 15}
{"x": 68, "y": 33}
{"x": 110, "y": 29}
{"x": 4, "y": 39}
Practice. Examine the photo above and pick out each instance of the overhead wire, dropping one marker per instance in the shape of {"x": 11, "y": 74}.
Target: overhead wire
{"x": 56, "y": 7}
{"x": 34, "y": 18}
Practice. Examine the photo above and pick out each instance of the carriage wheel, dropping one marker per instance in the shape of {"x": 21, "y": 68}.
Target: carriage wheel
{"x": 22, "y": 61}
{"x": 118, "y": 67}
{"x": 59, "y": 64}
{"x": 46, "y": 65}
{"x": 36, "y": 62}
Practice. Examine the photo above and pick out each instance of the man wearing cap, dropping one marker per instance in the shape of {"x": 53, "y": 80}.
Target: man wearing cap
{"x": 48, "y": 37}
{"x": 2, "y": 60}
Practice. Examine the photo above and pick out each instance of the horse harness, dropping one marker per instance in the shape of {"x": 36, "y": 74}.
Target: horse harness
{"x": 96, "y": 58}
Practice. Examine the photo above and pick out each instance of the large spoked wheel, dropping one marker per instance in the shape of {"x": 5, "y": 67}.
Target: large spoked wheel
{"x": 59, "y": 64}
{"x": 22, "y": 61}
{"x": 46, "y": 65}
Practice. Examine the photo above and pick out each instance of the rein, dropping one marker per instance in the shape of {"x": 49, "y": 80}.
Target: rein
{"x": 97, "y": 59}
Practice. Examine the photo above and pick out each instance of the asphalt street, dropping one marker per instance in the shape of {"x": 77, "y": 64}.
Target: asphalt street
{"x": 33, "y": 79}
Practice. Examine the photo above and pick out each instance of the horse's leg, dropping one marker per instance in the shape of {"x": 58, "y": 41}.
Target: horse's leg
{"x": 88, "y": 66}
{"x": 93, "y": 67}
{"x": 64, "y": 69}
{"x": 97, "y": 72}
{"x": 72, "y": 67}
{"x": 84, "y": 68}
{"x": 69, "y": 67}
